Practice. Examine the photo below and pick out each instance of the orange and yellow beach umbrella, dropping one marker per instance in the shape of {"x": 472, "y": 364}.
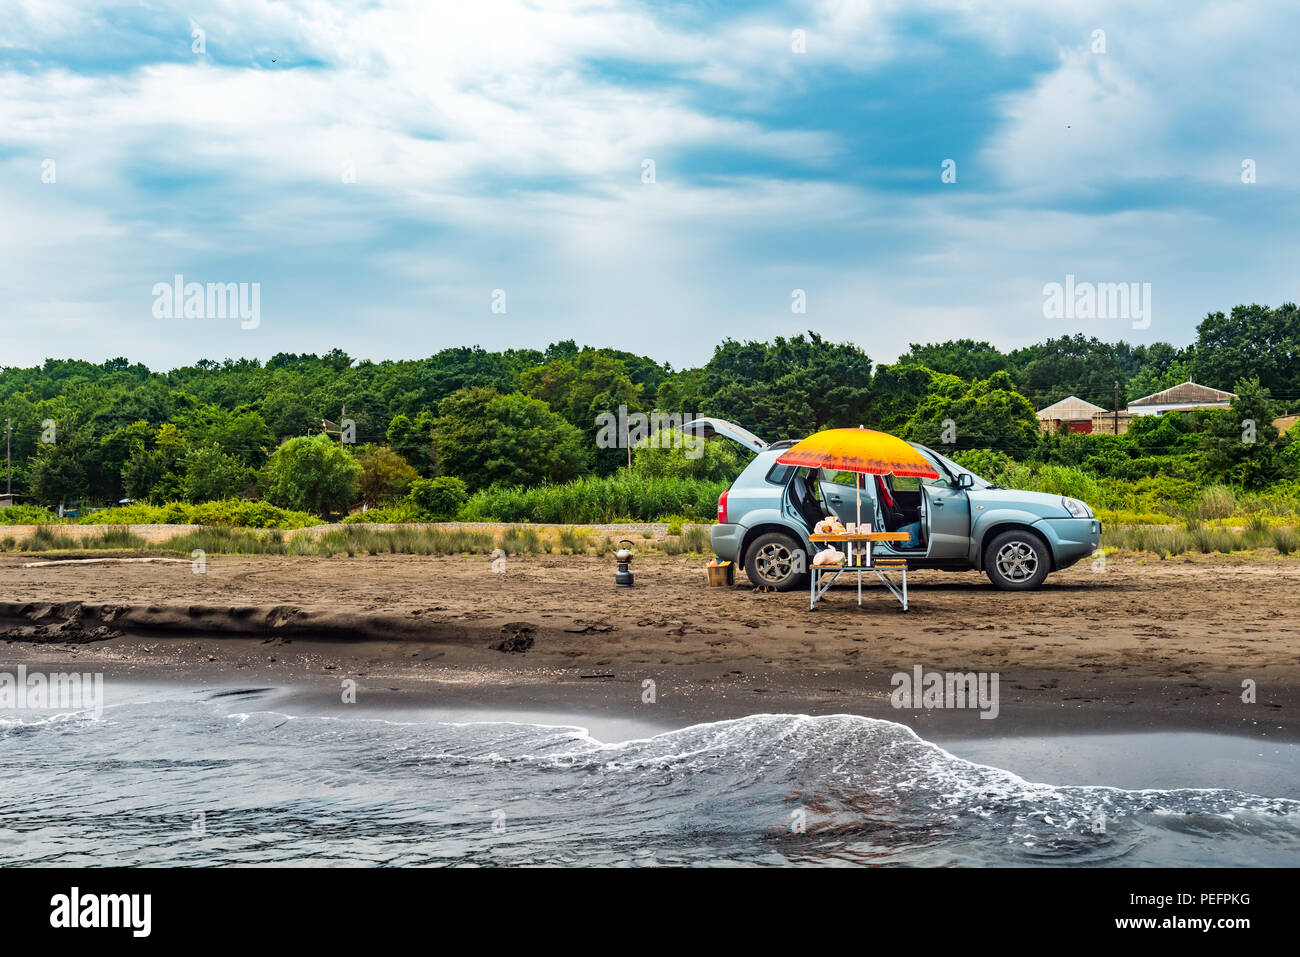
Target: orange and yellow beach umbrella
{"x": 859, "y": 450}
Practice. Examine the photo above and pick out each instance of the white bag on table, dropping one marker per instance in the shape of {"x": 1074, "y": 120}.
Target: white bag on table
{"x": 828, "y": 556}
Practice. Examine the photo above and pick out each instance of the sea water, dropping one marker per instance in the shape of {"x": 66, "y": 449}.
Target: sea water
{"x": 226, "y": 778}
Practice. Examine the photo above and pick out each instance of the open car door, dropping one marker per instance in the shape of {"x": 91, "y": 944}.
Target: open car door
{"x": 708, "y": 428}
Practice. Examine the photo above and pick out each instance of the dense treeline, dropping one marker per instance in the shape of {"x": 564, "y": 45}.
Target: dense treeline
{"x": 432, "y": 431}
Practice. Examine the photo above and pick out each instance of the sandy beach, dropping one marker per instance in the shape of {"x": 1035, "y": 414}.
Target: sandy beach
{"x": 1140, "y": 646}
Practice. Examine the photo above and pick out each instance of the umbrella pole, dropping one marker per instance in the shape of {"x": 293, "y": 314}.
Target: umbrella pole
{"x": 857, "y": 488}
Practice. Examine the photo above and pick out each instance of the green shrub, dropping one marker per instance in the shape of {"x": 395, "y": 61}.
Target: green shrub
{"x": 1284, "y": 539}
{"x": 670, "y": 453}
{"x": 233, "y": 513}
{"x": 402, "y": 513}
{"x": 243, "y": 513}
{"x": 438, "y": 498}
{"x": 27, "y": 515}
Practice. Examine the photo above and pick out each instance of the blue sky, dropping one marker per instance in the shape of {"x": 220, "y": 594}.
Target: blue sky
{"x": 500, "y": 145}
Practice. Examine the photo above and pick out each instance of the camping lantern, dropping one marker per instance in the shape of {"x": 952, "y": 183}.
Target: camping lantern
{"x": 623, "y": 577}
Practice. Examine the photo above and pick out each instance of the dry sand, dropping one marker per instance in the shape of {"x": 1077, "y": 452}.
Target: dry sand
{"x": 1161, "y": 644}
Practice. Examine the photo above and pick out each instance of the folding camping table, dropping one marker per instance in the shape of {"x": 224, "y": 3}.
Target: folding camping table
{"x": 820, "y": 584}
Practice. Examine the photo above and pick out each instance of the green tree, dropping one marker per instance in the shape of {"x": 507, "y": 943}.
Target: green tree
{"x": 413, "y": 440}
{"x": 989, "y": 414}
{"x": 1252, "y": 342}
{"x": 1240, "y": 444}
{"x": 964, "y": 358}
{"x": 212, "y": 475}
{"x": 897, "y": 390}
{"x": 312, "y": 474}
{"x": 385, "y": 475}
{"x": 788, "y": 388}
{"x": 1073, "y": 365}
{"x": 484, "y": 437}
{"x": 59, "y": 472}
{"x": 581, "y": 387}
{"x": 155, "y": 469}
{"x": 670, "y": 453}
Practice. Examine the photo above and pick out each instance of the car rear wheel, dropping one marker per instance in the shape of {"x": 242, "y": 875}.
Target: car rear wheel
{"x": 1017, "y": 561}
{"x": 777, "y": 561}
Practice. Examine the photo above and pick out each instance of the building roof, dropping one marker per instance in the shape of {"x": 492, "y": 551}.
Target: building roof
{"x": 1070, "y": 408}
{"x": 1186, "y": 393}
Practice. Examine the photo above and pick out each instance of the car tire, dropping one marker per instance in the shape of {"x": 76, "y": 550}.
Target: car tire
{"x": 776, "y": 560}
{"x": 1017, "y": 560}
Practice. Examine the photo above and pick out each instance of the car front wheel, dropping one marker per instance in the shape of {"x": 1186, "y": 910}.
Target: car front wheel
{"x": 1017, "y": 561}
{"x": 777, "y": 561}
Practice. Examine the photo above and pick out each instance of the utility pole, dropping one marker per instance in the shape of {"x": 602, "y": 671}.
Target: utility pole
{"x": 332, "y": 428}
{"x": 9, "y": 465}
{"x": 1117, "y": 406}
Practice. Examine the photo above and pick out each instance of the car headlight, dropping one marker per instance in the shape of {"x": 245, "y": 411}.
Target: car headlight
{"x": 1076, "y": 508}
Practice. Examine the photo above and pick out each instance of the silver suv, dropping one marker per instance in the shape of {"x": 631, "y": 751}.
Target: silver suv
{"x": 959, "y": 522}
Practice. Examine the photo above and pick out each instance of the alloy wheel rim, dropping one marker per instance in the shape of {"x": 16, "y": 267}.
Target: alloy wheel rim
{"x": 774, "y": 562}
{"x": 1017, "y": 561}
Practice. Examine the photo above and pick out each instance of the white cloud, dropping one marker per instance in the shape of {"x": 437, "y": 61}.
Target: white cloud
{"x": 494, "y": 146}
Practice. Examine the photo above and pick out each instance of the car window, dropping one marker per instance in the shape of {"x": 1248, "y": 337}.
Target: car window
{"x": 779, "y": 474}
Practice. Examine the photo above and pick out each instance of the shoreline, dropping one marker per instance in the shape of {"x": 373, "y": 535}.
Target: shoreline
{"x": 417, "y": 675}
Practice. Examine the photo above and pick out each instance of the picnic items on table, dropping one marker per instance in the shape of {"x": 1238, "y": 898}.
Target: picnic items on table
{"x": 829, "y": 526}
{"x": 828, "y": 556}
{"x": 857, "y": 563}
{"x": 859, "y": 450}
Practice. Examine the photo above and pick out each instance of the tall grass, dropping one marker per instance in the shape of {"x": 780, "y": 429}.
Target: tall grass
{"x": 697, "y": 541}
{"x": 1217, "y": 501}
{"x": 1285, "y": 540}
{"x": 46, "y": 539}
{"x": 597, "y": 500}
{"x": 1198, "y": 537}
{"x": 116, "y": 536}
{"x": 573, "y": 541}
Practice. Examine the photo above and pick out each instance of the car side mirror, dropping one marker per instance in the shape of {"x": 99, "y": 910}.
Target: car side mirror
{"x": 965, "y": 480}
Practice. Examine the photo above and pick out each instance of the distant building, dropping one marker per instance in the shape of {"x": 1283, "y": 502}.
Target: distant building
{"x": 1180, "y": 398}
{"x": 1072, "y": 412}
{"x": 6, "y": 500}
{"x": 1111, "y": 423}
